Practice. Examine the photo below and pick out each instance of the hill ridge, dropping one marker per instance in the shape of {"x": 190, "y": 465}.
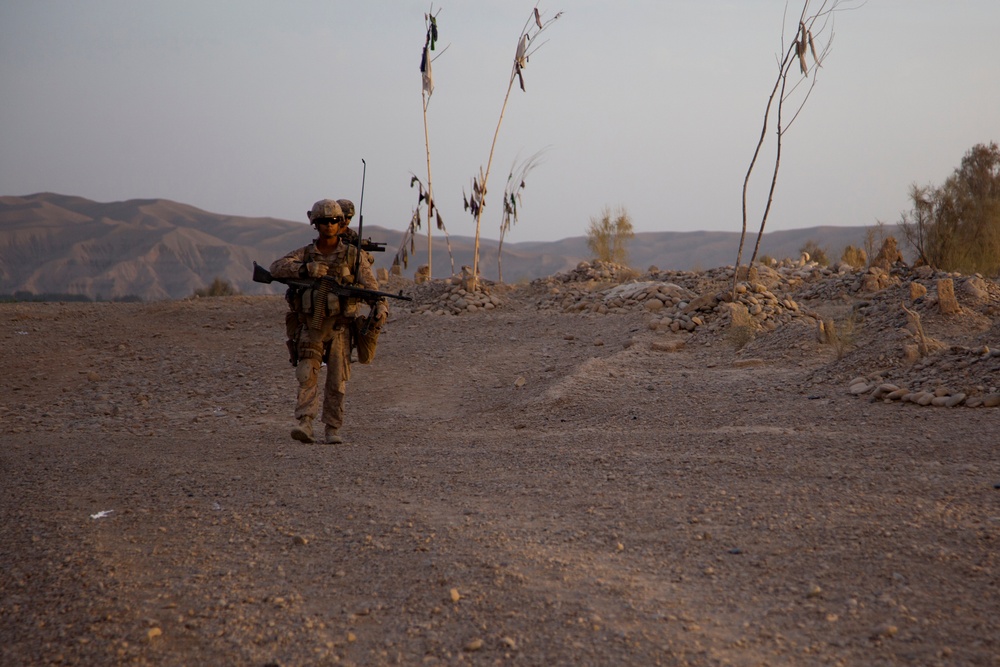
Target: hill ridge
{"x": 157, "y": 248}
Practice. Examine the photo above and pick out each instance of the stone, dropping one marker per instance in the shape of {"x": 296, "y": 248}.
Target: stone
{"x": 917, "y": 291}
{"x": 975, "y": 287}
{"x": 888, "y": 255}
{"x": 954, "y": 400}
{"x": 667, "y": 345}
{"x": 703, "y": 301}
{"x": 947, "y": 303}
{"x": 883, "y": 390}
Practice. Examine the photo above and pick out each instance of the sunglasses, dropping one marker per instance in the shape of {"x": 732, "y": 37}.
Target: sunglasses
{"x": 329, "y": 221}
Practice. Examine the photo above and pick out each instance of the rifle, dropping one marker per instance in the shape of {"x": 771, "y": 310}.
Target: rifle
{"x": 324, "y": 286}
{"x": 262, "y": 275}
{"x": 352, "y": 238}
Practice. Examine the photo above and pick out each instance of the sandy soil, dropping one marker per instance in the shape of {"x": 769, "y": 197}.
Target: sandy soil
{"x": 517, "y": 486}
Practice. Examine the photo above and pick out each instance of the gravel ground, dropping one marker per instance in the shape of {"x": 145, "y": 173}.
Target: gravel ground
{"x": 517, "y": 487}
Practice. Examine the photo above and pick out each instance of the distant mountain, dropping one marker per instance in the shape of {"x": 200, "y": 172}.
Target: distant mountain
{"x": 160, "y": 249}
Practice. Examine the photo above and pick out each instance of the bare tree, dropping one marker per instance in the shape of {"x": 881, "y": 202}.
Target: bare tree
{"x": 475, "y": 202}
{"x": 426, "y": 89}
{"x": 793, "y": 74}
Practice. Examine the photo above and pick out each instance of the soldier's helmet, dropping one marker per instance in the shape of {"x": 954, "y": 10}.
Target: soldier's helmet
{"x": 325, "y": 208}
{"x": 347, "y": 206}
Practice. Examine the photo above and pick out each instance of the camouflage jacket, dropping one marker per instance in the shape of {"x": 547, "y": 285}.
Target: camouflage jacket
{"x": 340, "y": 266}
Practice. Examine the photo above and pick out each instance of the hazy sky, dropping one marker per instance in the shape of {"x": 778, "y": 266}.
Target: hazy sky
{"x": 261, "y": 108}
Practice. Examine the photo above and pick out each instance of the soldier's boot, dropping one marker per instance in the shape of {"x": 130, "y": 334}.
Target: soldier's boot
{"x": 303, "y": 431}
{"x": 332, "y": 436}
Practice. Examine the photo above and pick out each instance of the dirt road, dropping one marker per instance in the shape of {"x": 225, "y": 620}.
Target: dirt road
{"x": 517, "y": 487}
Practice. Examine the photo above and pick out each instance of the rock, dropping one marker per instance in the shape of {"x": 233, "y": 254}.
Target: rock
{"x": 883, "y": 390}
{"x": 947, "y": 303}
{"x": 653, "y": 305}
{"x": 917, "y": 291}
{"x": 667, "y": 345}
{"x": 703, "y": 301}
{"x": 911, "y": 352}
{"x": 976, "y": 288}
{"x": 954, "y": 400}
{"x": 885, "y": 631}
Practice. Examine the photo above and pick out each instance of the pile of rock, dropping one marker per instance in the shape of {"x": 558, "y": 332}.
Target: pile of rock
{"x": 449, "y": 297}
{"x": 588, "y": 272}
{"x": 939, "y": 375}
{"x": 766, "y": 309}
{"x": 674, "y": 301}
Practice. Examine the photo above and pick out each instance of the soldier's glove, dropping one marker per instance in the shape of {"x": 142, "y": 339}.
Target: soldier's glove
{"x": 316, "y": 269}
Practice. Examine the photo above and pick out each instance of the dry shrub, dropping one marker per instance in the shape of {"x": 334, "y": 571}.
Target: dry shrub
{"x": 742, "y": 329}
{"x": 841, "y": 334}
{"x": 856, "y": 258}
{"x": 219, "y": 287}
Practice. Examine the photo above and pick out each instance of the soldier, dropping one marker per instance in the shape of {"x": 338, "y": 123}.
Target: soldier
{"x": 328, "y": 255}
{"x": 347, "y": 206}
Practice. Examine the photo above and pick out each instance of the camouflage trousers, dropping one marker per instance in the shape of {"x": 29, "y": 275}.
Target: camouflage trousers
{"x": 338, "y": 372}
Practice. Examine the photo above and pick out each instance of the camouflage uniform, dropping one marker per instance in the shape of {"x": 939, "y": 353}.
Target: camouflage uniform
{"x": 331, "y": 341}
{"x": 347, "y": 206}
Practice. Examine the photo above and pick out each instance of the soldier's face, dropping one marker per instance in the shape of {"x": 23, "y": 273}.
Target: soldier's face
{"x": 330, "y": 227}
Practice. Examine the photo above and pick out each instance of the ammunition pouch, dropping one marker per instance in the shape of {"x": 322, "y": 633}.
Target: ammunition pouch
{"x": 364, "y": 339}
